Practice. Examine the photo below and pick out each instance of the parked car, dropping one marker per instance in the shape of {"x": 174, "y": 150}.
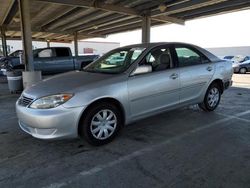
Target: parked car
{"x": 242, "y": 68}
{"x": 228, "y": 57}
{"x": 240, "y": 58}
{"x": 52, "y": 60}
{"x": 114, "y": 60}
{"x": 16, "y": 53}
{"x": 95, "y": 103}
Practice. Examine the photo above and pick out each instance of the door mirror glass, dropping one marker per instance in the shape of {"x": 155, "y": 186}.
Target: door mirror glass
{"x": 142, "y": 70}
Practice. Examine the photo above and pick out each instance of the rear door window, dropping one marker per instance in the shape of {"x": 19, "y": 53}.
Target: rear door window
{"x": 62, "y": 52}
{"x": 187, "y": 57}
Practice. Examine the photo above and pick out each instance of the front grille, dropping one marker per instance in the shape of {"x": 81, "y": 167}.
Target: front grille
{"x": 24, "y": 101}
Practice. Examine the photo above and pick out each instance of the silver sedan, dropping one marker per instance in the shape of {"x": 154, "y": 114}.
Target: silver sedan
{"x": 96, "y": 102}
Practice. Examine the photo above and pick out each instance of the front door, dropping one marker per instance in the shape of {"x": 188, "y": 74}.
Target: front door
{"x": 157, "y": 90}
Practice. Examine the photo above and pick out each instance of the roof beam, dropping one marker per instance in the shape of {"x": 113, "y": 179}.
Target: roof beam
{"x": 83, "y": 34}
{"x": 111, "y": 7}
{"x": 79, "y": 22}
{"x": 117, "y": 25}
{"x": 44, "y": 17}
{"x": 185, "y": 6}
{"x": 223, "y": 10}
{"x": 102, "y": 22}
{"x": 11, "y": 13}
{"x": 127, "y": 28}
{"x": 169, "y": 19}
{"x": 68, "y": 18}
{"x": 39, "y": 39}
{"x": 96, "y": 4}
{"x": 58, "y": 15}
{"x": 220, "y": 6}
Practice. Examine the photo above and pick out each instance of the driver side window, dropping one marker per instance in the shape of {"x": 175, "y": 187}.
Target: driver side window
{"x": 45, "y": 53}
{"x": 159, "y": 58}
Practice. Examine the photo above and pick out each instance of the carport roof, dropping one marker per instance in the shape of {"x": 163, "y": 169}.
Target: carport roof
{"x": 58, "y": 20}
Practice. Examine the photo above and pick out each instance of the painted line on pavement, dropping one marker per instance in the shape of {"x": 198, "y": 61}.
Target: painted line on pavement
{"x": 141, "y": 152}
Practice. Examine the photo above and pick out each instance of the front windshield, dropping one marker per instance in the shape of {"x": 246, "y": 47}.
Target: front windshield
{"x": 116, "y": 61}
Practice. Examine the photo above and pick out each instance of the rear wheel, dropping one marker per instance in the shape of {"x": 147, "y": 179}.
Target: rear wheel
{"x": 101, "y": 124}
{"x": 212, "y": 98}
{"x": 243, "y": 70}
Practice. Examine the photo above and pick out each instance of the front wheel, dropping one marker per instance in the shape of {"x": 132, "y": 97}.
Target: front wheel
{"x": 212, "y": 98}
{"x": 243, "y": 70}
{"x": 101, "y": 124}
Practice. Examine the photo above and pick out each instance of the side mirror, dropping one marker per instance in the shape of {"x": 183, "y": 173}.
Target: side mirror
{"x": 142, "y": 70}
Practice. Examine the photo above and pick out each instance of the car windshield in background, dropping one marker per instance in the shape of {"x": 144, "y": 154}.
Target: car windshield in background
{"x": 116, "y": 61}
{"x": 229, "y": 57}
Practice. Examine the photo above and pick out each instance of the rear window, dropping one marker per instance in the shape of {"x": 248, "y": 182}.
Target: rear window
{"x": 62, "y": 52}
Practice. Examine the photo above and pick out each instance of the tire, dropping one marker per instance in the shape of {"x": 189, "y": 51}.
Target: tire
{"x": 101, "y": 124}
{"x": 210, "y": 104}
{"x": 243, "y": 71}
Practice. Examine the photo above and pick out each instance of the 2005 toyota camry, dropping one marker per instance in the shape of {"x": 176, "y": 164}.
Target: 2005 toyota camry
{"x": 147, "y": 79}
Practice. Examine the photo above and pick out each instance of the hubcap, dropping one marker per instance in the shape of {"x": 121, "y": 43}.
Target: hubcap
{"x": 213, "y": 97}
{"x": 103, "y": 124}
{"x": 243, "y": 70}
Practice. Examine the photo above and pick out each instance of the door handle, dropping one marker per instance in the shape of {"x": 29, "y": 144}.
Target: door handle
{"x": 209, "y": 68}
{"x": 174, "y": 76}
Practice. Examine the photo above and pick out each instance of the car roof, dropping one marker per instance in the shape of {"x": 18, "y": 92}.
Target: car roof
{"x": 208, "y": 54}
{"x": 154, "y": 44}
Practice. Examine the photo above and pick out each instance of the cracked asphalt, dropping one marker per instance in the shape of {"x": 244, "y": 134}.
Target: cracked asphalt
{"x": 181, "y": 148}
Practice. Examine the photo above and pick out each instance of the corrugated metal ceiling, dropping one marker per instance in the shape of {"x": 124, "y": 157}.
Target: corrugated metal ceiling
{"x": 57, "y": 20}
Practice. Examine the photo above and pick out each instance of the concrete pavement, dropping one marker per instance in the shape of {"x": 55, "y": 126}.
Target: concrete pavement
{"x": 181, "y": 148}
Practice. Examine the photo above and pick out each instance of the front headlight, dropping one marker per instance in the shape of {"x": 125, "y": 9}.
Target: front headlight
{"x": 50, "y": 101}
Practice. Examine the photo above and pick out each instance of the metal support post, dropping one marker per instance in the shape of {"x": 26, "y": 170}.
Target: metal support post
{"x": 24, "y": 9}
{"x": 146, "y": 23}
{"x": 30, "y": 76}
{"x": 4, "y": 43}
{"x": 76, "y": 43}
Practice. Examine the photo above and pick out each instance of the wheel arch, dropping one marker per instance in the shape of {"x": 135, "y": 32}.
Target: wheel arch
{"x": 219, "y": 82}
{"x": 111, "y": 100}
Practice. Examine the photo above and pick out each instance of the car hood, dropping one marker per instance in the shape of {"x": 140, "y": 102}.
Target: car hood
{"x": 245, "y": 62}
{"x": 64, "y": 83}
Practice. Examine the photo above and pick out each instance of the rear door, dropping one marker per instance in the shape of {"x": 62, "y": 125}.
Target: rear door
{"x": 195, "y": 70}
{"x": 154, "y": 91}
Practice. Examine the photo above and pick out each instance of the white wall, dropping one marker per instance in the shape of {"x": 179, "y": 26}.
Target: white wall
{"x": 223, "y": 51}
{"x": 98, "y": 47}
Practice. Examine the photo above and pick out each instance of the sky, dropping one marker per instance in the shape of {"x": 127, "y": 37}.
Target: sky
{"x": 226, "y": 30}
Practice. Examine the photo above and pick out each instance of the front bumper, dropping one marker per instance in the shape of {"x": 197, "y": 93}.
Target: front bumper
{"x": 59, "y": 122}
